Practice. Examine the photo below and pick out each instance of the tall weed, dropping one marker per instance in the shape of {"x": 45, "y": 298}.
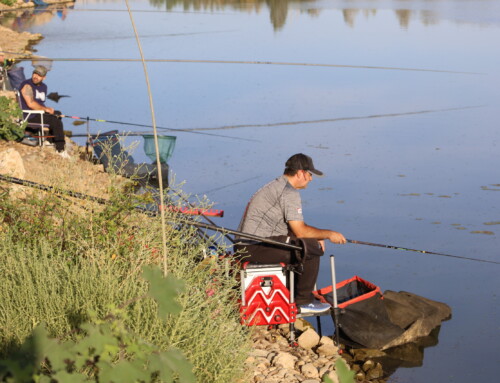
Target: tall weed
{"x": 60, "y": 261}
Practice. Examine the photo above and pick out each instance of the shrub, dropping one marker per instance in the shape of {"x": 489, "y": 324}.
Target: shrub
{"x": 69, "y": 265}
{"x": 8, "y": 2}
{"x": 106, "y": 350}
{"x": 10, "y": 115}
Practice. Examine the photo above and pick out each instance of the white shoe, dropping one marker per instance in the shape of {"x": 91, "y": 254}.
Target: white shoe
{"x": 64, "y": 154}
{"x": 314, "y": 308}
{"x": 47, "y": 143}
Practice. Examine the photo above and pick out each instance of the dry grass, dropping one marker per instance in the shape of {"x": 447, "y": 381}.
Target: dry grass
{"x": 60, "y": 260}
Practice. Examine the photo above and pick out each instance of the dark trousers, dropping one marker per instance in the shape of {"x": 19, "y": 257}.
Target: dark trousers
{"x": 55, "y": 128}
{"x": 267, "y": 254}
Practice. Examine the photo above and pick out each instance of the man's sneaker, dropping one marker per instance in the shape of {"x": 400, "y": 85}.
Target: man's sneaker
{"x": 64, "y": 154}
{"x": 31, "y": 141}
{"x": 314, "y": 308}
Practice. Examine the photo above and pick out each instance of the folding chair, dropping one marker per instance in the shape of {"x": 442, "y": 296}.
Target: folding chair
{"x": 40, "y": 127}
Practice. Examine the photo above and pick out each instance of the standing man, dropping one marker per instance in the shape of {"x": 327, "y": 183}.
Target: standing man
{"x": 33, "y": 95}
{"x": 275, "y": 212}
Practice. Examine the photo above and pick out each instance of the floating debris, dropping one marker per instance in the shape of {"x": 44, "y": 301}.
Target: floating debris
{"x": 488, "y": 188}
{"x": 318, "y": 146}
{"x": 482, "y": 232}
{"x": 436, "y": 223}
{"x": 460, "y": 228}
{"x": 410, "y": 195}
{"x": 492, "y": 223}
{"x": 444, "y": 196}
{"x": 401, "y": 175}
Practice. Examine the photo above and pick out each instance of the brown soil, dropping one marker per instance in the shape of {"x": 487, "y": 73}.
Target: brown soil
{"x": 43, "y": 165}
{"x": 11, "y": 41}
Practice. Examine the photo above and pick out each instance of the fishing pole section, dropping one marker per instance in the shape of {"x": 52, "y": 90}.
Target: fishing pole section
{"x": 205, "y": 213}
{"x": 82, "y": 120}
{"x": 191, "y": 210}
{"x": 356, "y": 242}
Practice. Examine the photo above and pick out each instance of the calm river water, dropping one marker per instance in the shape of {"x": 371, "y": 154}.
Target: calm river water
{"x": 411, "y": 155}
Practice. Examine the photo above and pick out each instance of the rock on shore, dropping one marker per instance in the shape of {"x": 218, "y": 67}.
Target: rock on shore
{"x": 273, "y": 360}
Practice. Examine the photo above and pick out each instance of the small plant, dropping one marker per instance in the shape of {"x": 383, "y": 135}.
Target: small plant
{"x": 106, "y": 351}
{"x": 10, "y": 115}
{"x": 343, "y": 373}
{"x": 8, "y": 2}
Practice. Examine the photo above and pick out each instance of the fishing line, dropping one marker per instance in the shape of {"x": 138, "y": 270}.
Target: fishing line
{"x": 418, "y": 251}
{"x": 290, "y": 123}
{"x": 255, "y": 62}
{"x": 229, "y": 185}
{"x": 105, "y": 38}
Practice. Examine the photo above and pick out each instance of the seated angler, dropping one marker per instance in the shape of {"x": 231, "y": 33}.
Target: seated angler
{"x": 33, "y": 95}
{"x": 275, "y": 212}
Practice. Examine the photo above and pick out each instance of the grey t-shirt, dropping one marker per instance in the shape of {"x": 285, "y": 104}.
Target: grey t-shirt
{"x": 270, "y": 208}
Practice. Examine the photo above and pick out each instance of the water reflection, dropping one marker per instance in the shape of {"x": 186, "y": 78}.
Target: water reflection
{"x": 34, "y": 17}
{"x": 427, "y": 14}
{"x": 352, "y": 10}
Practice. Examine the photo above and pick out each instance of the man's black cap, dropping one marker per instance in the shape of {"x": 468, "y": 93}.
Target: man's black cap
{"x": 302, "y": 162}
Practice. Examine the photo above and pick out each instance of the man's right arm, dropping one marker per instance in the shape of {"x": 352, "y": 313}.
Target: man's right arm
{"x": 302, "y": 230}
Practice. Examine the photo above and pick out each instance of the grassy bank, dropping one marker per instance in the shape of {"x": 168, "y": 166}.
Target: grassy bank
{"x": 65, "y": 262}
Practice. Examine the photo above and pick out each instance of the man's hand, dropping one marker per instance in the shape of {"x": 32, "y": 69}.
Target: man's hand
{"x": 335, "y": 237}
{"x": 49, "y": 110}
{"x": 322, "y": 244}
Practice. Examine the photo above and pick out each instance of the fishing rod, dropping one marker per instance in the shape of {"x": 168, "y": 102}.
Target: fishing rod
{"x": 243, "y": 235}
{"x": 94, "y": 135}
{"x": 418, "y": 251}
{"x": 158, "y": 127}
{"x": 250, "y": 62}
{"x": 102, "y": 201}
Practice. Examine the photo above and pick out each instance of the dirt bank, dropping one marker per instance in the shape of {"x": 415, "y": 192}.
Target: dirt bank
{"x": 18, "y": 44}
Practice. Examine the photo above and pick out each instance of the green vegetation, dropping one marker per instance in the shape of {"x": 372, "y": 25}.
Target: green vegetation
{"x": 8, "y": 2}
{"x": 78, "y": 273}
{"x": 10, "y": 115}
{"x": 344, "y": 374}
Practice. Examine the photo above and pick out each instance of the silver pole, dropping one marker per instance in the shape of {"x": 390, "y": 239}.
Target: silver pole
{"x": 335, "y": 304}
{"x": 334, "y": 281}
